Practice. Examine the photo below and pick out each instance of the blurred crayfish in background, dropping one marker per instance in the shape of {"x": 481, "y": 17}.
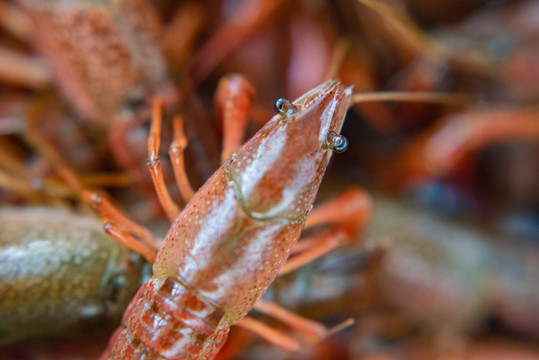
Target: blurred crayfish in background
{"x": 80, "y": 76}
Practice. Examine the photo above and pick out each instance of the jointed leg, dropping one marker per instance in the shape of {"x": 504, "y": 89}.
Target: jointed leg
{"x": 233, "y": 100}
{"x": 318, "y": 246}
{"x": 347, "y": 215}
{"x": 310, "y": 329}
{"x": 176, "y": 155}
{"x": 111, "y": 213}
{"x": 349, "y": 212}
{"x": 129, "y": 241}
{"x": 115, "y": 223}
{"x": 154, "y": 164}
{"x": 273, "y": 336}
{"x": 120, "y": 227}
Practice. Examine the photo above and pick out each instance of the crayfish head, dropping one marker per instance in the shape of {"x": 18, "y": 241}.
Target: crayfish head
{"x": 277, "y": 173}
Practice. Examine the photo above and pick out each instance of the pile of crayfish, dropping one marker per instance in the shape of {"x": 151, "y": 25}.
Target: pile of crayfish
{"x": 418, "y": 240}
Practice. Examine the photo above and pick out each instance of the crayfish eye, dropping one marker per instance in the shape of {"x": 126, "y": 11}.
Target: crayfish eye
{"x": 285, "y": 108}
{"x": 336, "y": 142}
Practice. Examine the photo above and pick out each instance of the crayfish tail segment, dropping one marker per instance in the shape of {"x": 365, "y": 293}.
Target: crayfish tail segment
{"x": 189, "y": 327}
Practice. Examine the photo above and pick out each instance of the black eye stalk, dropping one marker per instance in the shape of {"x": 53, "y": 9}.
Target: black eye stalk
{"x": 336, "y": 142}
{"x": 285, "y": 108}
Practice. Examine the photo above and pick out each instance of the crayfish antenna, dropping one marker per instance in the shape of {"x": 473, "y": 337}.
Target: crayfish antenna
{"x": 455, "y": 99}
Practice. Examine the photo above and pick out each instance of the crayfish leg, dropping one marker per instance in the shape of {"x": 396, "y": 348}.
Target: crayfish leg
{"x": 176, "y": 152}
{"x": 347, "y": 214}
{"x": 311, "y": 330}
{"x": 308, "y": 328}
{"x": 270, "y": 334}
{"x": 128, "y": 240}
{"x": 154, "y": 163}
{"x": 349, "y": 211}
{"x": 121, "y": 228}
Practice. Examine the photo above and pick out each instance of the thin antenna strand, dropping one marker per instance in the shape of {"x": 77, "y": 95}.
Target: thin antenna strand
{"x": 420, "y": 96}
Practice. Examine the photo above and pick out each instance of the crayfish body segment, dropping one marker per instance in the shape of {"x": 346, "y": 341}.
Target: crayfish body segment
{"x": 229, "y": 242}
